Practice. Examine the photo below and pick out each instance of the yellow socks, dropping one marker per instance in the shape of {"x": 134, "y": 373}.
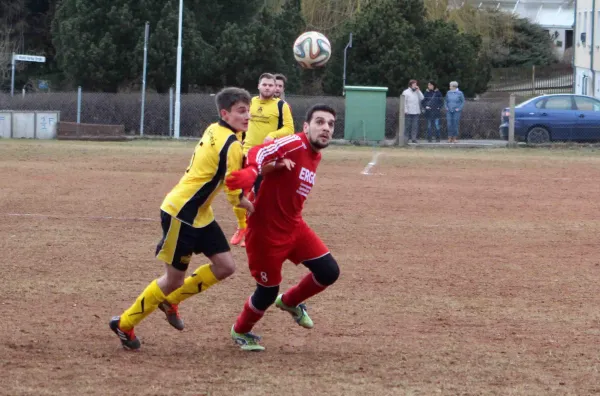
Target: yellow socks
{"x": 200, "y": 280}
{"x": 152, "y": 296}
{"x": 240, "y": 214}
{"x": 144, "y": 305}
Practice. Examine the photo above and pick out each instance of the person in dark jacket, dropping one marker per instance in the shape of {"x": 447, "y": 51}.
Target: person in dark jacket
{"x": 433, "y": 102}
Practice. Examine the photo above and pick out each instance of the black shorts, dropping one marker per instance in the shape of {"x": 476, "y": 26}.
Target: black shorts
{"x": 181, "y": 240}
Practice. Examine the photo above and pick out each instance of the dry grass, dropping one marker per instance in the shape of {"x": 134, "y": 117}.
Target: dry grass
{"x": 464, "y": 272}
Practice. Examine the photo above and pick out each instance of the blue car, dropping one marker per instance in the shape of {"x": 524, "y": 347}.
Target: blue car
{"x": 561, "y": 117}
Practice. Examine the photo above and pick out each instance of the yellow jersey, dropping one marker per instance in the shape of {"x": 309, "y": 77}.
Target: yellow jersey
{"x": 218, "y": 153}
{"x": 265, "y": 120}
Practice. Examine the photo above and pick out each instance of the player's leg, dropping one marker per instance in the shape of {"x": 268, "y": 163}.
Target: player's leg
{"x": 240, "y": 232}
{"x": 174, "y": 250}
{"x": 242, "y": 225}
{"x": 324, "y": 271}
{"x": 254, "y": 309}
{"x": 265, "y": 261}
{"x": 210, "y": 241}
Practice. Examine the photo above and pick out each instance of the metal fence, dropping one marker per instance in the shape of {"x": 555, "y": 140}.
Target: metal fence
{"x": 534, "y": 80}
{"x": 480, "y": 118}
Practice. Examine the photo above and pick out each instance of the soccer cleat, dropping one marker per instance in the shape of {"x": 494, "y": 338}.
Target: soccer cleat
{"x": 298, "y": 313}
{"x": 247, "y": 341}
{"x": 127, "y": 337}
{"x": 238, "y": 237}
{"x": 243, "y": 243}
{"x": 172, "y": 313}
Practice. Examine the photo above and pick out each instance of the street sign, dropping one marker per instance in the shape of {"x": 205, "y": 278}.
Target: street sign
{"x": 30, "y": 58}
{"x": 22, "y": 58}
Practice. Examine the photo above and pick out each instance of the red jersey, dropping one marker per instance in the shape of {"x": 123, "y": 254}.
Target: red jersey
{"x": 278, "y": 206}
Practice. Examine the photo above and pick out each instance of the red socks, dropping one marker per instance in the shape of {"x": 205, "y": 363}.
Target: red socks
{"x": 301, "y": 292}
{"x": 305, "y": 289}
{"x": 247, "y": 318}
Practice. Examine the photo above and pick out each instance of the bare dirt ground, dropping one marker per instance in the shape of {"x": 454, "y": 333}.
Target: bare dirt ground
{"x": 464, "y": 272}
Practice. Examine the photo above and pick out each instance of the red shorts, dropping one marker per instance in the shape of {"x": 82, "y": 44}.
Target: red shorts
{"x": 266, "y": 257}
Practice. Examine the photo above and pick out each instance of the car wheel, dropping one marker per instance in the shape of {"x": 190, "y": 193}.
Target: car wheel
{"x": 538, "y": 135}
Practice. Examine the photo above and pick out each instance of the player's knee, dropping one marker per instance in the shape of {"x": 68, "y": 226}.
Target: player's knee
{"x": 325, "y": 269}
{"x": 223, "y": 265}
{"x": 264, "y": 296}
{"x": 227, "y": 269}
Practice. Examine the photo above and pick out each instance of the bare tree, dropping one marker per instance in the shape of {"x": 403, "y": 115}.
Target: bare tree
{"x": 12, "y": 34}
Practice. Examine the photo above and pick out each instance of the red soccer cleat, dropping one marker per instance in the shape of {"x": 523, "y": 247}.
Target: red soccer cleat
{"x": 239, "y": 236}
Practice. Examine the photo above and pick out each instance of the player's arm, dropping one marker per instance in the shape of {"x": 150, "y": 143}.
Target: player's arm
{"x": 288, "y": 124}
{"x": 235, "y": 160}
{"x": 235, "y": 195}
{"x": 261, "y": 155}
{"x": 272, "y": 152}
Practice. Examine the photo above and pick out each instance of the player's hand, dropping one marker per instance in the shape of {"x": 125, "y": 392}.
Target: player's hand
{"x": 268, "y": 139}
{"x": 286, "y": 163}
{"x": 246, "y": 204}
{"x": 243, "y": 179}
{"x": 275, "y": 165}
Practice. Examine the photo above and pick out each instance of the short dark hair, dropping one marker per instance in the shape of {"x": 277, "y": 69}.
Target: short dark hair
{"x": 434, "y": 84}
{"x": 267, "y": 76}
{"x": 319, "y": 107}
{"x": 227, "y": 97}
{"x": 281, "y": 77}
{"x": 411, "y": 82}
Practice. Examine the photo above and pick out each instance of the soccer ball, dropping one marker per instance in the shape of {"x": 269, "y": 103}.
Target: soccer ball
{"x": 312, "y": 50}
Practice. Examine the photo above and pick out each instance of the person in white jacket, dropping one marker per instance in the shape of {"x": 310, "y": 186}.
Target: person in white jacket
{"x": 412, "y": 110}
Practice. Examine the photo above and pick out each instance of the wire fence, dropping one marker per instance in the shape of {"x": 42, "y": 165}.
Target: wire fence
{"x": 535, "y": 80}
{"x": 480, "y": 118}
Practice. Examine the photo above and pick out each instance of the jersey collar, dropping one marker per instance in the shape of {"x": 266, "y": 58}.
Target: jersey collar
{"x": 226, "y": 125}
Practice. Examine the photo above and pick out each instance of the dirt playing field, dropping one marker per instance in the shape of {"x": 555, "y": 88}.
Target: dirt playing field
{"x": 464, "y": 272}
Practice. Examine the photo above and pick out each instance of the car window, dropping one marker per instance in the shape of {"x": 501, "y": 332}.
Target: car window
{"x": 540, "y": 104}
{"x": 587, "y": 104}
{"x": 559, "y": 103}
{"x": 523, "y": 104}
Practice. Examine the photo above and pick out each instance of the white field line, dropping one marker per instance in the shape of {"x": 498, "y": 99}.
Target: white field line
{"x": 371, "y": 164}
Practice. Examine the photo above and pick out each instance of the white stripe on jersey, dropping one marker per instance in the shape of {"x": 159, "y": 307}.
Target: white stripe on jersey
{"x": 272, "y": 148}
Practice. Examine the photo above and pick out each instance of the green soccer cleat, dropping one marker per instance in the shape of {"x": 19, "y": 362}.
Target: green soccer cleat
{"x": 247, "y": 341}
{"x": 298, "y": 313}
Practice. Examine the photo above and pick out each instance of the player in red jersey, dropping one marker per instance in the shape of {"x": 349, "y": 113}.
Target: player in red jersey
{"x": 276, "y": 230}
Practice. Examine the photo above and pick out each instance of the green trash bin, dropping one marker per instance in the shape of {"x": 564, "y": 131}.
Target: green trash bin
{"x": 365, "y": 113}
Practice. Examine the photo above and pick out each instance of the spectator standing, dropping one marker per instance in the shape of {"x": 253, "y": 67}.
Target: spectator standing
{"x": 455, "y": 101}
{"x": 432, "y": 103}
{"x": 412, "y": 110}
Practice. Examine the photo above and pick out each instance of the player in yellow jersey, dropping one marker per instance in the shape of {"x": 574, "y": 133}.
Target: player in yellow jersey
{"x": 280, "y": 81}
{"x": 270, "y": 118}
{"x": 189, "y": 226}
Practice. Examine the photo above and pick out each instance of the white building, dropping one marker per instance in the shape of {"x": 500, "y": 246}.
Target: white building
{"x": 555, "y": 16}
{"x": 587, "y": 48}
